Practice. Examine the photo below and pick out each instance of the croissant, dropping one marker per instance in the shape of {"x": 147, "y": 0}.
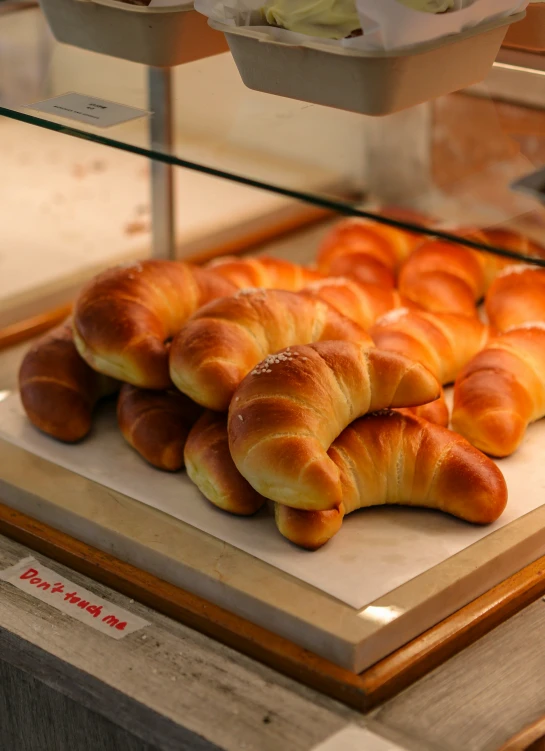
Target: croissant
{"x": 156, "y": 424}
{"x": 124, "y": 317}
{"x": 308, "y": 529}
{"x": 58, "y": 389}
{"x": 382, "y": 243}
{"x": 443, "y": 342}
{"x": 364, "y": 269}
{"x": 502, "y": 390}
{"x": 224, "y": 340}
{"x": 264, "y": 272}
{"x": 516, "y": 297}
{"x": 287, "y": 412}
{"x": 362, "y": 303}
{"x": 443, "y": 277}
{"x": 436, "y": 412}
{"x": 210, "y": 466}
{"x": 393, "y": 459}
{"x": 505, "y": 239}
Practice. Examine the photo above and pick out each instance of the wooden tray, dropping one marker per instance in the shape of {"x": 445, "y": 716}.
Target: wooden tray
{"x": 363, "y": 692}
{"x": 252, "y": 589}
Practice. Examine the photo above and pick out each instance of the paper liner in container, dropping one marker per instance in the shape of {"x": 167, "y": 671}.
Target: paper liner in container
{"x": 389, "y": 25}
{"x": 529, "y": 34}
{"x": 370, "y": 82}
{"x": 386, "y": 25}
{"x": 158, "y": 35}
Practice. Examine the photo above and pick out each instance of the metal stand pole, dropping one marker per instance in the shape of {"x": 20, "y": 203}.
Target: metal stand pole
{"x": 398, "y": 156}
{"x": 162, "y": 174}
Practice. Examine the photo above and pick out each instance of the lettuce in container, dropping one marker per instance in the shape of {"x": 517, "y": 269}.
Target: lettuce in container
{"x": 329, "y": 19}
{"x": 332, "y": 19}
{"x": 429, "y": 6}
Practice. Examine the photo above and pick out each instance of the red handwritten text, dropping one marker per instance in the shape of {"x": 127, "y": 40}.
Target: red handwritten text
{"x": 72, "y": 598}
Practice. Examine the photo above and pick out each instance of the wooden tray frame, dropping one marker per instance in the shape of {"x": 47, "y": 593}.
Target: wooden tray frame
{"x": 362, "y": 692}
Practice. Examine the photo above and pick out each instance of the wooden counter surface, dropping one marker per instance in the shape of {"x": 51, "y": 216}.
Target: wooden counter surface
{"x": 67, "y": 687}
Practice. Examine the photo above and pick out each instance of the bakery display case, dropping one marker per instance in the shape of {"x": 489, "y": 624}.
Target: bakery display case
{"x": 293, "y": 303}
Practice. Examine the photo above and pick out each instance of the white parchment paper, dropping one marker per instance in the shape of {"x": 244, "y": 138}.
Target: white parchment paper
{"x": 376, "y": 551}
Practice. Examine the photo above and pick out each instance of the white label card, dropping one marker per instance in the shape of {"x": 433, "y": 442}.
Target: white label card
{"x": 46, "y": 585}
{"x": 354, "y": 738}
{"x": 88, "y": 109}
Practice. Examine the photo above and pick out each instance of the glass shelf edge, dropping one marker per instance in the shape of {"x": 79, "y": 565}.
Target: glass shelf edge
{"x": 331, "y": 205}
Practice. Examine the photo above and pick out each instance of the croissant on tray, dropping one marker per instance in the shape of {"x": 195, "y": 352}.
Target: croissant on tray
{"x": 363, "y": 268}
{"x": 263, "y": 272}
{"x": 436, "y": 412}
{"x": 363, "y": 240}
{"x": 288, "y": 411}
{"x": 443, "y": 342}
{"x": 125, "y": 317}
{"x": 59, "y": 391}
{"x": 504, "y": 239}
{"x": 362, "y": 303}
{"x": 226, "y": 339}
{"x": 156, "y": 424}
{"x": 516, "y": 297}
{"x": 502, "y": 390}
{"x": 209, "y": 465}
{"x": 443, "y": 277}
{"x": 393, "y": 459}
{"x": 439, "y": 470}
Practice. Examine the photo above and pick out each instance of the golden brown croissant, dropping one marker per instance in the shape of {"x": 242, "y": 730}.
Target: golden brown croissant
{"x": 308, "y": 529}
{"x": 287, "y": 412}
{"x": 443, "y": 342}
{"x": 505, "y": 239}
{"x": 502, "y": 390}
{"x": 224, "y": 340}
{"x": 124, "y": 317}
{"x": 363, "y": 268}
{"x": 58, "y": 389}
{"x": 517, "y": 296}
{"x": 263, "y": 272}
{"x": 386, "y": 245}
{"x": 362, "y": 303}
{"x": 210, "y": 466}
{"x": 443, "y": 277}
{"x": 156, "y": 424}
{"x": 436, "y": 412}
{"x": 393, "y": 459}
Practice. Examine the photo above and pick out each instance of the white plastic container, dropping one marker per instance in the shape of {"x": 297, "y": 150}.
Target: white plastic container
{"x": 529, "y": 34}
{"x": 371, "y": 83}
{"x": 159, "y": 36}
